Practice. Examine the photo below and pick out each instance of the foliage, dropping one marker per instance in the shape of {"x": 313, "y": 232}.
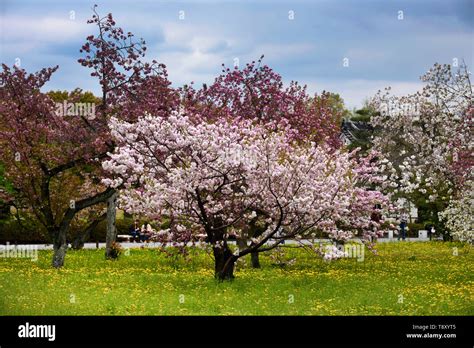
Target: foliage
{"x": 39, "y": 149}
{"x": 364, "y": 135}
{"x": 413, "y": 229}
{"x": 130, "y": 85}
{"x": 22, "y": 227}
{"x": 6, "y": 186}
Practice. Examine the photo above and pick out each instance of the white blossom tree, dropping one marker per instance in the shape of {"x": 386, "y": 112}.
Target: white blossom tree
{"x": 426, "y": 138}
{"x": 459, "y": 216}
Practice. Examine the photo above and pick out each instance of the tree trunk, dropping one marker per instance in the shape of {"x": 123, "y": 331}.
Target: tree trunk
{"x": 255, "y": 260}
{"x": 78, "y": 242}
{"x": 224, "y": 263}
{"x": 81, "y": 238}
{"x": 59, "y": 247}
{"x": 111, "y": 230}
{"x": 241, "y": 243}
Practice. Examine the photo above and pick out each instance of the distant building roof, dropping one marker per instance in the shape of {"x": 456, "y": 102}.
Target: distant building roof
{"x": 348, "y": 128}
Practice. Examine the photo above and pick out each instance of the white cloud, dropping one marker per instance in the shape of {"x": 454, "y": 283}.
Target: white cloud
{"x": 192, "y": 54}
{"x": 45, "y": 28}
{"x": 24, "y": 34}
{"x": 355, "y": 91}
{"x": 195, "y": 66}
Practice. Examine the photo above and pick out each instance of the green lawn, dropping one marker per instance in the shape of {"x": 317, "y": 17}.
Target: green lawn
{"x": 404, "y": 279}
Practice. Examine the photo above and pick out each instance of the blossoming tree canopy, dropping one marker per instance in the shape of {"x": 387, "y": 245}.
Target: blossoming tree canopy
{"x": 459, "y": 215}
{"x": 256, "y": 92}
{"x": 39, "y": 149}
{"x": 214, "y": 180}
{"x": 426, "y": 139}
{"x": 432, "y": 131}
{"x": 130, "y": 85}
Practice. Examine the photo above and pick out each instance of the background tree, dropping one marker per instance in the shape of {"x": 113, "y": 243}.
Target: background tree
{"x": 257, "y": 93}
{"x": 459, "y": 215}
{"x": 86, "y": 220}
{"x": 41, "y": 150}
{"x": 38, "y": 148}
{"x": 358, "y": 130}
{"x": 426, "y": 139}
{"x": 130, "y": 86}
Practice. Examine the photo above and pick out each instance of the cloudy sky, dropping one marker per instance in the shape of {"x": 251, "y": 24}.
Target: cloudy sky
{"x": 305, "y": 41}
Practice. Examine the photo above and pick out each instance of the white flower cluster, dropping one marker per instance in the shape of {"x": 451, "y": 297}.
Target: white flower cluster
{"x": 459, "y": 215}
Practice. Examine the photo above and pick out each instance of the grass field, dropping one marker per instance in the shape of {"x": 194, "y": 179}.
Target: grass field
{"x": 404, "y": 279}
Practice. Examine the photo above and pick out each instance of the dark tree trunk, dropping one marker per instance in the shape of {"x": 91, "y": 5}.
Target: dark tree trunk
{"x": 447, "y": 237}
{"x": 59, "y": 234}
{"x": 78, "y": 242}
{"x": 224, "y": 263}
{"x": 111, "y": 230}
{"x": 255, "y": 259}
{"x": 241, "y": 243}
{"x": 81, "y": 238}
{"x": 59, "y": 247}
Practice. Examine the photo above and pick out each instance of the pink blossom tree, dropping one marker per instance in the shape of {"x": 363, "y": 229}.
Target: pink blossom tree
{"x": 130, "y": 86}
{"x": 40, "y": 148}
{"x": 257, "y": 93}
{"x": 212, "y": 180}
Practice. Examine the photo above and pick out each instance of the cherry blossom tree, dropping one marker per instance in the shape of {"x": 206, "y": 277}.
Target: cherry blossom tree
{"x": 426, "y": 138}
{"x": 130, "y": 86}
{"x": 257, "y": 93}
{"x": 214, "y": 180}
{"x": 459, "y": 215}
{"x": 40, "y": 148}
